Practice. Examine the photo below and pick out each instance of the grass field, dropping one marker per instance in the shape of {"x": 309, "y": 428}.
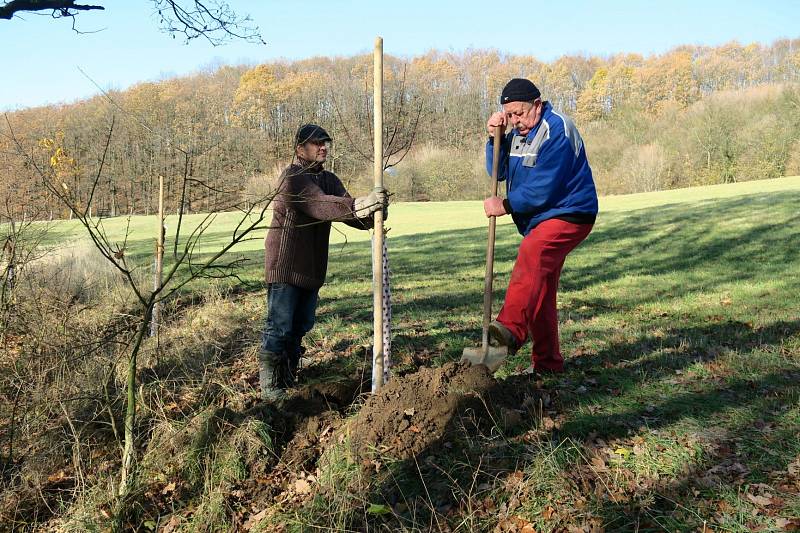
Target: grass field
{"x": 680, "y": 406}
{"x": 681, "y": 323}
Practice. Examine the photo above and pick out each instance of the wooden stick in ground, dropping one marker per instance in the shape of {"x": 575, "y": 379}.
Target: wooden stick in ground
{"x": 489, "y": 278}
{"x": 377, "y": 247}
{"x": 154, "y": 324}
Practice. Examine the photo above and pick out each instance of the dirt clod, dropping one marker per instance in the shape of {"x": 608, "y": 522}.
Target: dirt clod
{"x": 413, "y": 413}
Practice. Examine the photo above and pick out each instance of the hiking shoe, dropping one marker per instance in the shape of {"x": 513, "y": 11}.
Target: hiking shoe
{"x": 499, "y": 335}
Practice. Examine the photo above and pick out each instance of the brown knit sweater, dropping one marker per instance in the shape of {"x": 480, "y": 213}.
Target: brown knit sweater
{"x": 308, "y": 200}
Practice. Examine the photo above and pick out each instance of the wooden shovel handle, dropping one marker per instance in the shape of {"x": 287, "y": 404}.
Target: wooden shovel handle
{"x": 489, "y": 278}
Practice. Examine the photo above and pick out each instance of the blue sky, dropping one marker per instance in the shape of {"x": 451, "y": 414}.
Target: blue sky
{"x": 41, "y": 56}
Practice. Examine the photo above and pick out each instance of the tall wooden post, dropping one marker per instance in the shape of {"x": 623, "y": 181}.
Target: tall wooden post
{"x": 155, "y": 320}
{"x": 377, "y": 245}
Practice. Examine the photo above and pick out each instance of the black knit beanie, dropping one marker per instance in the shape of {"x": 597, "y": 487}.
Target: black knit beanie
{"x": 519, "y": 90}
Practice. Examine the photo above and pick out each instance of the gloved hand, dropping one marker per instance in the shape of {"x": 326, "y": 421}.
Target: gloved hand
{"x": 364, "y": 206}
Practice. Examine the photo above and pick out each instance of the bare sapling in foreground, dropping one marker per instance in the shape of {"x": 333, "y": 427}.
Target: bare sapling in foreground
{"x": 187, "y": 264}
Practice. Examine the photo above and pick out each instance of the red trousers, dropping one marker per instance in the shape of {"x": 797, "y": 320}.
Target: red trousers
{"x": 529, "y": 310}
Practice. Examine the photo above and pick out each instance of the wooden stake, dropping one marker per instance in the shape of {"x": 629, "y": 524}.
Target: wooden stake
{"x": 159, "y": 258}
{"x": 377, "y": 246}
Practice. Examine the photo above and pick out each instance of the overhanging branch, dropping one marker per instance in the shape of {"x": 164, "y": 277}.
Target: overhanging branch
{"x": 213, "y": 20}
{"x": 60, "y": 8}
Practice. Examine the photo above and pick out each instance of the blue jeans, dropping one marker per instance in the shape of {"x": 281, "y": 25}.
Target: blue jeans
{"x": 290, "y": 315}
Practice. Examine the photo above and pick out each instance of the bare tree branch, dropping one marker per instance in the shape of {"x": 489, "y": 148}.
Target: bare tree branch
{"x": 404, "y": 111}
{"x": 214, "y": 20}
{"x": 59, "y": 8}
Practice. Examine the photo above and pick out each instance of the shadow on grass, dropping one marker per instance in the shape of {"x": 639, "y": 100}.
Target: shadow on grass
{"x": 439, "y": 272}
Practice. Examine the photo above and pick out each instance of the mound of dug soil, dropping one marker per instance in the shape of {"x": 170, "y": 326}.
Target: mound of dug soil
{"x": 412, "y": 413}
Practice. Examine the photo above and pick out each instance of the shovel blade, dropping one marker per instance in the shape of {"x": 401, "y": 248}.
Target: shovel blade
{"x": 493, "y": 359}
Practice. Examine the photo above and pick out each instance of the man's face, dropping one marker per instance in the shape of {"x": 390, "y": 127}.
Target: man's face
{"x": 314, "y": 151}
{"x": 523, "y": 115}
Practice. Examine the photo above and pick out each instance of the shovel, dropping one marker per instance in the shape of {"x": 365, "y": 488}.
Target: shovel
{"x": 490, "y": 356}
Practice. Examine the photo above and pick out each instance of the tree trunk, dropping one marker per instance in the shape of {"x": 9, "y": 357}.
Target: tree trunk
{"x": 113, "y": 200}
{"x": 129, "y": 453}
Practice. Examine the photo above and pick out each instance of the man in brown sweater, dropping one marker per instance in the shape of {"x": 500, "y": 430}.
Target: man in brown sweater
{"x": 308, "y": 199}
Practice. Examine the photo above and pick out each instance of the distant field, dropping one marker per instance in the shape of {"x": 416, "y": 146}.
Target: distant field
{"x": 410, "y": 218}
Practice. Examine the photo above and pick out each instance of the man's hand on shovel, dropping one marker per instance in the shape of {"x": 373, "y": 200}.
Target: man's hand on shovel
{"x": 494, "y": 207}
{"x": 497, "y": 119}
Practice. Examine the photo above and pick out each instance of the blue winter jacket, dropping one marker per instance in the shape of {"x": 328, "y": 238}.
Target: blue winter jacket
{"x": 546, "y": 172}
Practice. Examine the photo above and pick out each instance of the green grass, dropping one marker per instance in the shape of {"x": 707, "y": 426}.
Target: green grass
{"x": 680, "y": 323}
{"x": 681, "y": 328}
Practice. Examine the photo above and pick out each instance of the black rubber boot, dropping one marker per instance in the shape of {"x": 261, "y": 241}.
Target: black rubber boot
{"x": 293, "y": 365}
{"x": 270, "y": 379}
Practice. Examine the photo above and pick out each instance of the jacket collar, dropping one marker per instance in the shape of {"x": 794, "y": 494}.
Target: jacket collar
{"x": 308, "y": 166}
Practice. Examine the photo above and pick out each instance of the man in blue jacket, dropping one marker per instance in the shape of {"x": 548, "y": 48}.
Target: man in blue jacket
{"x": 552, "y": 198}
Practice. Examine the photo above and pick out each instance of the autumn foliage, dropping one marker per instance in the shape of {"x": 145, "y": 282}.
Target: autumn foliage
{"x": 694, "y": 115}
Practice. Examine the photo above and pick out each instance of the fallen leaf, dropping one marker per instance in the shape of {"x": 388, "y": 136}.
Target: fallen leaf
{"x": 171, "y": 524}
{"x": 414, "y": 428}
{"x": 170, "y": 487}
{"x": 790, "y": 524}
{"x": 624, "y": 452}
{"x": 513, "y": 523}
{"x": 301, "y": 486}
{"x": 254, "y": 520}
{"x": 599, "y": 464}
{"x": 761, "y": 501}
{"x": 58, "y": 476}
{"x": 548, "y": 513}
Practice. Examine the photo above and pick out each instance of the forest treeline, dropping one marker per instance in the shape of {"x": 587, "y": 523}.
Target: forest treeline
{"x": 693, "y": 115}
